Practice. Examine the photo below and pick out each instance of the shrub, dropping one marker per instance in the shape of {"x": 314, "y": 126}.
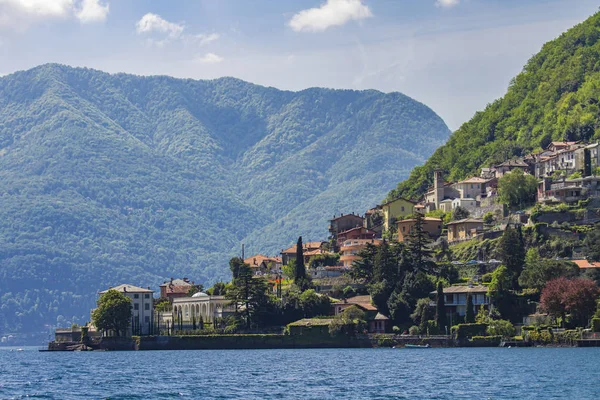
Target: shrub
{"x": 486, "y": 278}
{"x": 485, "y": 341}
{"x": 500, "y": 328}
{"x": 463, "y": 331}
{"x": 595, "y": 324}
{"x": 413, "y": 330}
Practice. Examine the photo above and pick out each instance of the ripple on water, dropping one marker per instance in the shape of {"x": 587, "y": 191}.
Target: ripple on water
{"x": 308, "y": 374}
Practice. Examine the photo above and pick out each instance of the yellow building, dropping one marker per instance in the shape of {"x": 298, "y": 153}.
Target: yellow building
{"x": 396, "y": 209}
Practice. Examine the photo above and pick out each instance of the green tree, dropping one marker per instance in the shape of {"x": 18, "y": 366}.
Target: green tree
{"x": 362, "y": 269}
{"x": 300, "y": 278}
{"x": 591, "y": 244}
{"x": 423, "y": 314}
{"x": 536, "y": 274}
{"x": 470, "y": 313}
{"x": 517, "y": 189}
{"x": 460, "y": 213}
{"x": 511, "y": 249}
{"x": 195, "y": 289}
{"x": 249, "y": 292}
{"x": 235, "y": 264}
{"x": 440, "y": 307}
{"x": 417, "y": 246}
{"x": 113, "y": 312}
{"x": 314, "y": 304}
{"x": 500, "y": 327}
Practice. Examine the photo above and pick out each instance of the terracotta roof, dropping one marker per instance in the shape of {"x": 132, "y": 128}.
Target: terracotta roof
{"x": 358, "y": 227}
{"x": 313, "y": 252}
{"x": 513, "y": 163}
{"x": 178, "y": 289}
{"x": 306, "y": 246}
{"x": 584, "y": 264}
{"x": 258, "y": 259}
{"x": 381, "y": 317}
{"x": 474, "y": 179}
{"x": 467, "y": 221}
{"x": 465, "y": 289}
{"x": 126, "y": 288}
{"x": 399, "y": 198}
{"x": 361, "y": 301}
{"x": 177, "y": 282}
{"x": 345, "y": 216}
{"x": 430, "y": 219}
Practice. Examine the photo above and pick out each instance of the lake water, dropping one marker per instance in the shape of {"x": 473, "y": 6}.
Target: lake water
{"x": 491, "y": 373}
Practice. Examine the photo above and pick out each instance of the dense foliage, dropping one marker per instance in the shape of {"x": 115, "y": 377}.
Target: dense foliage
{"x": 110, "y": 179}
{"x": 556, "y": 97}
{"x": 113, "y": 312}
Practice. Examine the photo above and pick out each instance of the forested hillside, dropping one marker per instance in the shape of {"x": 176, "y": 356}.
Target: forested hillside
{"x": 556, "y": 97}
{"x": 107, "y": 179}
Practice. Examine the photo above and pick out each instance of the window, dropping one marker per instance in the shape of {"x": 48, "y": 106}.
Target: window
{"x": 449, "y": 298}
{"x": 146, "y": 306}
{"x": 147, "y": 296}
{"x": 136, "y": 296}
{"x": 403, "y": 229}
{"x": 402, "y": 208}
{"x": 147, "y": 319}
{"x": 136, "y": 306}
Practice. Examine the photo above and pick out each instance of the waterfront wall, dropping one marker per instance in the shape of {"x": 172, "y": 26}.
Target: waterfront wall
{"x": 225, "y": 342}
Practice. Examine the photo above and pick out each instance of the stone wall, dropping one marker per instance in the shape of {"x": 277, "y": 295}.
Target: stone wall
{"x": 223, "y": 342}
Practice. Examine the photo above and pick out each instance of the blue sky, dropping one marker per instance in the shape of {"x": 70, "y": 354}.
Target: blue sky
{"x": 453, "y": 55}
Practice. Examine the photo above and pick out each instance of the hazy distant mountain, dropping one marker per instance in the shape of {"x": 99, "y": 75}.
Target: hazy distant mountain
{"x": 107, "y": 179}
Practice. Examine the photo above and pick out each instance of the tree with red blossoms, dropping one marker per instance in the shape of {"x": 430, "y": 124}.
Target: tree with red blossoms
{"x": 576, "y": 297}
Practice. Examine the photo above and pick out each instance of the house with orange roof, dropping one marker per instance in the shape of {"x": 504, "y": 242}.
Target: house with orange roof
{"x": 343, "y": 223}
{"x": 309, "y": 249}
{"x": 378, "y": 323}
{"x": 262, "y": 264}
{"x": 359, "y": 232}
{"x": 175, "y": 288}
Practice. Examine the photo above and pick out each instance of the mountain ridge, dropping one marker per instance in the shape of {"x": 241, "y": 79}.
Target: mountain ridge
{"x": 112, "y": 178}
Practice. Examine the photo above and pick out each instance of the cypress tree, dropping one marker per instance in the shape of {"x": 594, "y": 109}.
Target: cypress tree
{"x": 201, "y": 323}
{"x": 470, "y": 314}
{"x": 440, "y": 308}
{"x": 300, "y": 278}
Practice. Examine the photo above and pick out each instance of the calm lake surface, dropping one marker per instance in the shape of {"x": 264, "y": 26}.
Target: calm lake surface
{"x": 528, "y": 373}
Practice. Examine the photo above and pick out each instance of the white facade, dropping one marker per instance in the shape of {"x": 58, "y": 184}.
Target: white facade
{"x": 199, "y": 305}
{"x": 142, "y": 306}
{"x": 467, "y": 203}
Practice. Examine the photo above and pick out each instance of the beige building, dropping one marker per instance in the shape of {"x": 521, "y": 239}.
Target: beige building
{"x": 433, "y": 226}
{"x": 464, "y": 229}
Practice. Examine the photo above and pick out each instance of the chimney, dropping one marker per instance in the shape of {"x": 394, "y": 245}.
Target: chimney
{"x": 186, "y": 280}
{"x": 171, "y": 280}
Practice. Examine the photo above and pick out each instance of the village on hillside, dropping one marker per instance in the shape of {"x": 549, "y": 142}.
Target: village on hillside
{"x": 549, "y": 200}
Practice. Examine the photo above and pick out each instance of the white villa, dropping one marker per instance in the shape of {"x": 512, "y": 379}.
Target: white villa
{"x": 199, "y": 305}
{"x": 142, "y": 306}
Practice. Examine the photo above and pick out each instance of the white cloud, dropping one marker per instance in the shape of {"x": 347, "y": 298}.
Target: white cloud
{"x": 204, "y": 39}
{"x": 447, "y": 3}
{"x": 332, "y": 13}
{"x": 150, "y": 23}
{"x": 92, "y": 11}
{"x": 161, "y": 32}
{"x": 209, "y": 58}
{"x": 20, "y": 14}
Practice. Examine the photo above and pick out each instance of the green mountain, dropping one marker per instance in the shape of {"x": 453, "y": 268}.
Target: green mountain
{"x": 106, "y": 179}
{"x": 554, "y": 98}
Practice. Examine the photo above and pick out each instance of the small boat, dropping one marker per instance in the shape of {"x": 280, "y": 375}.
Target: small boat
{"x": 417, "y": 346}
